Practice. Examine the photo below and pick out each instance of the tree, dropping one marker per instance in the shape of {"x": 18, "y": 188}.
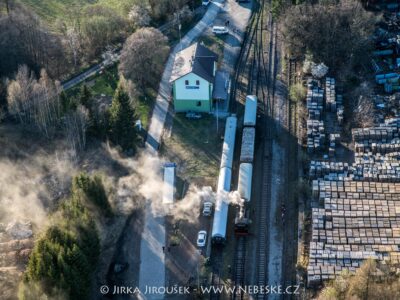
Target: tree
{"x": 35, "y": 101}
{"x": 76, "y": 125}
{"x": 64, "y": 101}
{"x": 143, "y": 57}
{"x": 86, "y": 97}
{"x": 101, "y": 27}
{"x": 372, "y": 281}
{"x": 25, "y": 40}
{"x": 122, "y": 121}
{"x": 139, "y": 15}
{"x": 297, "y": 92}
{"x": 335, "y": 34}
{"x": 63, "y": 261}
{"x": 94, "y": 191}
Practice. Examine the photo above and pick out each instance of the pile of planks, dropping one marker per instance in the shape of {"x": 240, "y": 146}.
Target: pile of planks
{"x": 320, "y": 169}
{"x": 330, "y": 92}
{"x": 314, "y": 100}
{"x": 334, "y": 139}
{"x": 355, "y": 221}
{"x": 315, "y": 135}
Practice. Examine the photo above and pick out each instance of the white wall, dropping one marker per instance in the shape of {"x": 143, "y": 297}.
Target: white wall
{"x": 182, "y": 92}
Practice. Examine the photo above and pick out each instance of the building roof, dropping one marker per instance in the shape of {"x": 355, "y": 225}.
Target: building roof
{"x": 221, "y": 85}
{"x": 194, "y": 59}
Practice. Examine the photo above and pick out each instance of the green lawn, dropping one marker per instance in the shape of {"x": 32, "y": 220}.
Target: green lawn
{"x": 196, "y": 147}
{"x": 107, "y": 82}
{"x": 215, "y": 43}
{"x": 50, "y": 10}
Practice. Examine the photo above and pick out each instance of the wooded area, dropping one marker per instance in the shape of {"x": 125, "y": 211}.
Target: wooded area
{"x": 65, "y": 257}
{"x": 64, "y": 42}
{"x": 371, "y": 281}
{"x": 335, "y": 33}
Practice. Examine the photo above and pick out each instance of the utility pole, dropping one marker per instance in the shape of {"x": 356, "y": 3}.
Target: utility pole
{"x": 217, "y": 115}
{"x": 180, "y": 37}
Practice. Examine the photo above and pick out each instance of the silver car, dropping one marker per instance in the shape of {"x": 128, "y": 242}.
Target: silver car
{"x": 207, "y": 209}
{"x": 201, "y": 238}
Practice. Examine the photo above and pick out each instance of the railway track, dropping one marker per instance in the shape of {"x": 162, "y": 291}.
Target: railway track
{"x": 216, "y": 262}
{"x": 290, "y": 242}
{"x": 256, "y": 72}
{"x": 268, "y": 76}
{"x": 260, "y": 80}
{"x": 246, "y": 82}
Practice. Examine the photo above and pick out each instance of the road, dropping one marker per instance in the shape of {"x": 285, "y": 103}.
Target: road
{"x": 152, "y": 256}
{"x": 164, "y": 93}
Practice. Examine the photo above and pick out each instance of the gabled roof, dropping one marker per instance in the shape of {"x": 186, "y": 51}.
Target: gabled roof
{"x": 194, "y": 59}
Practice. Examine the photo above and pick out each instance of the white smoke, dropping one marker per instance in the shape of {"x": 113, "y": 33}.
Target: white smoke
{"x": 147, "y": 183}
{"x": 29, "y": 188}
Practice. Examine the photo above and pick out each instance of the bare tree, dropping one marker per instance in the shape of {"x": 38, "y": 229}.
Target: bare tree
{"x": 139, "y": 15}
{"x": 76, "y": 124}
{"x": 35, "y": 101}
{"x": 336, "y": 34}
{"x": 19, "y": 92}
{"x": 143, "y": 57}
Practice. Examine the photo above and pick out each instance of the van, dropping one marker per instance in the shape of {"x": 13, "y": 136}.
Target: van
{"x": 220, "y": 30}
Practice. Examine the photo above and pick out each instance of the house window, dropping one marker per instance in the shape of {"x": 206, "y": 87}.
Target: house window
{"x": 198, "y": 103}
{"x": 197, "y": 82}
{"x": 186, "y": 82}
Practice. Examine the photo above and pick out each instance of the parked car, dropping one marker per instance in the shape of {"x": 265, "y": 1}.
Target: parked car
{"x": 207, "y": 209}
{"x": 206, "y": 2}
{"x": 192, "y": 115}
{"x": 201, "y": 238}
{"x": 220, "y": 30}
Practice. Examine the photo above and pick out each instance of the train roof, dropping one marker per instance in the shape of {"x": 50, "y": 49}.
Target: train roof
{"x": 247, "y": 149}
{"x": 220, "y": 217}
{"x": 229, "y": 142}
{"x": 245, "y": 180}
{"x": 250, "y": 112}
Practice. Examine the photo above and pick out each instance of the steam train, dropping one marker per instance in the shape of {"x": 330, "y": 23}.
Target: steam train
{"x": 242, "y": 220}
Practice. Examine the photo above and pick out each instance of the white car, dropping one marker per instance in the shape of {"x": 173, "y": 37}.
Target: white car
{"x": 207, "y": 209}
{"x": 220, "y": 30}
{"x": 201, "y": 238}
{"x": 206, "y": 2}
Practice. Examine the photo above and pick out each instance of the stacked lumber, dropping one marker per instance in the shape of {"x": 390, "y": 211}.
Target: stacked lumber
{"x": 315, "y": 135}
{"x": 314, "y": 100}
{"x": 320, "y": 169}
{"x": 375, "y": 134}
{"x": 356, "y": 220}
{"x": 330, "y": 94}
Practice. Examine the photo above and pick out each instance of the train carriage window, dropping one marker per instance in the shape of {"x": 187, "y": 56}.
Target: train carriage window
{"x": 186, "y": 82}
{"x": 197, "y": 82}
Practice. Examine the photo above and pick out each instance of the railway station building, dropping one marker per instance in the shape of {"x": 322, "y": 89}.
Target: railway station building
{"x": 193, "y": 77}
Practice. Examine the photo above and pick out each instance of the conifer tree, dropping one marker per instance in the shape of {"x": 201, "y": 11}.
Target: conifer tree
{"x": 122, "y": 121}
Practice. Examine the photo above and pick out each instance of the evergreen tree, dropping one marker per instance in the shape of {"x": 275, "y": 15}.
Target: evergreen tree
{"x": 65, "y": 105}
{"x": 122, "y": 121}
{"x": 86, "y": 97}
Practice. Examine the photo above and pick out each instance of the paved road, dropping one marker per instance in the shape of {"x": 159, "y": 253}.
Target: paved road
{"x": 238, "y": 16}
{"x": 164, "y": 93}
{"x": 152, "y": 257}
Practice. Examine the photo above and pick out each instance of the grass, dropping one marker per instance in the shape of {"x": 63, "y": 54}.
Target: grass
{"x": 215, "y": 43}
{"x": 106, "y": 84}
{"x": 144, "y": 107}
{"x": 196, "y": 146}
{"x": 51, "y": 10}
